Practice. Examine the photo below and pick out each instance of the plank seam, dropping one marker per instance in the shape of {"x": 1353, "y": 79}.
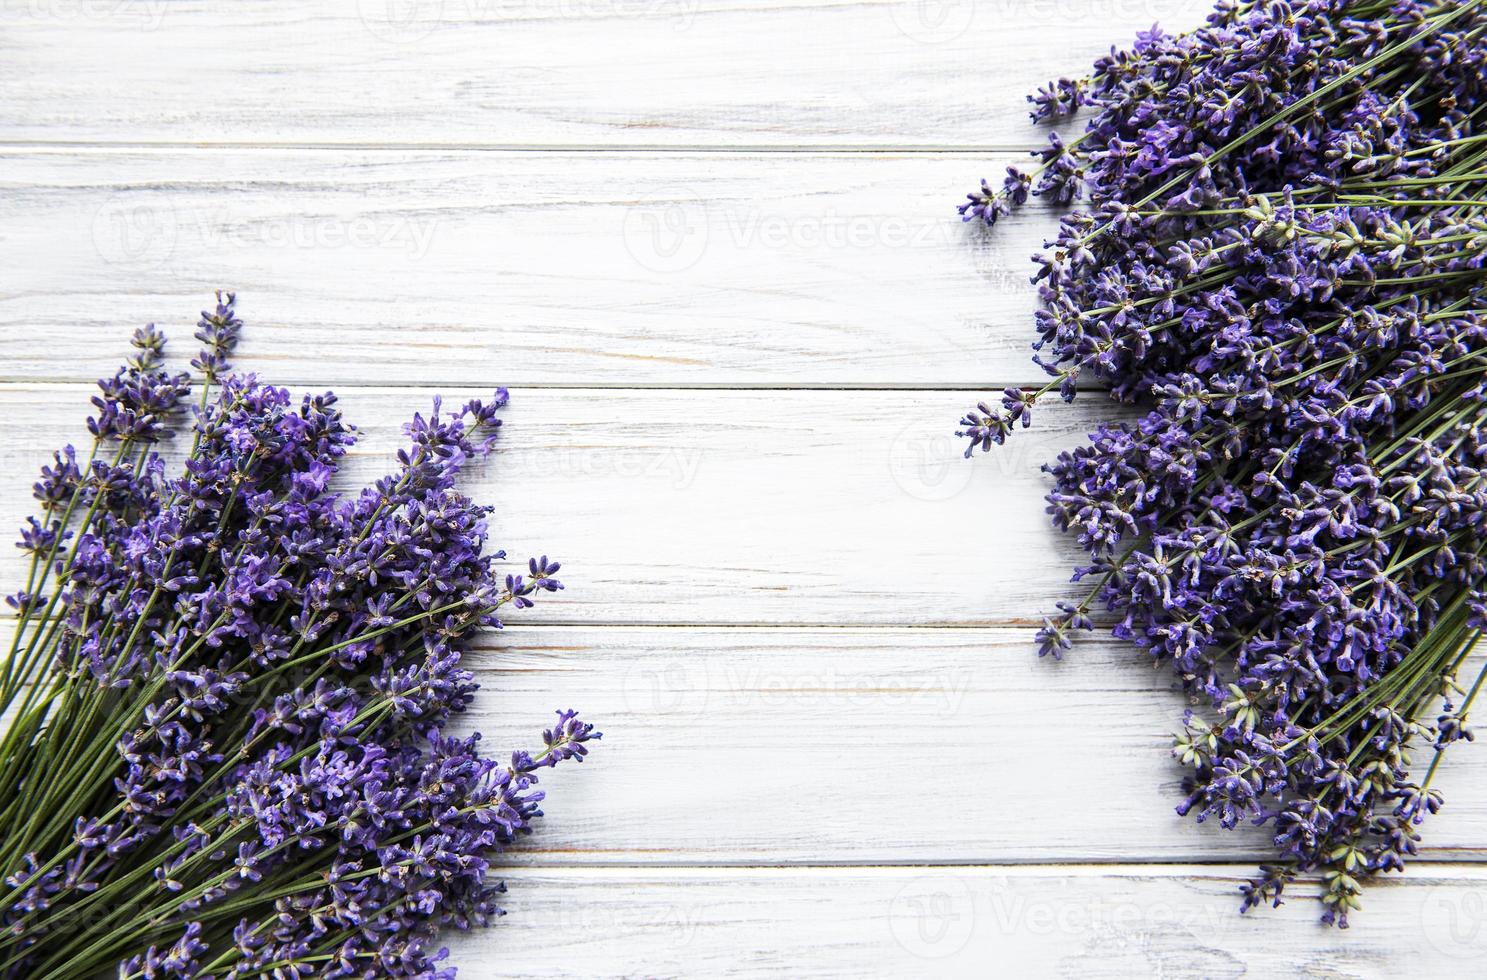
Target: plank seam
{"x": 854, "y": 149}
{"x": 1239, "y": 867}
{"x": 990, "y": 387}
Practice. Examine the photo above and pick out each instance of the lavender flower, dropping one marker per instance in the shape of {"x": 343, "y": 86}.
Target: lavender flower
{"x": 232, "y": 685}
{"x": 1281, "y": 259}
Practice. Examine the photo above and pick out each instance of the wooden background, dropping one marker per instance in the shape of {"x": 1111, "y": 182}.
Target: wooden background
{"x": 711, "y": 247}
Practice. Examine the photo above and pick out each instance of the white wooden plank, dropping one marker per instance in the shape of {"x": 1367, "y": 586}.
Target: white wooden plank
{"x": 574, "y": 269}
{"x": 458, "y": 266}
{"x": 552, "y": 72}
{"x": 775, "y": 507}
{"x": 746, "y": 746}
{"x": 973, "y": 922}
{"x": 871, "y": 746}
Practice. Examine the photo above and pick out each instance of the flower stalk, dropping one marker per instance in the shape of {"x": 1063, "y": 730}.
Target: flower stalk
{"x": 229, "y": 690}
{"x": 1279, "y": 256}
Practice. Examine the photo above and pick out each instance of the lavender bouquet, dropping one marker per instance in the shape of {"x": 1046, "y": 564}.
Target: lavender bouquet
{"x": 227, "y": 692}
{"x": 1281, "y": 258}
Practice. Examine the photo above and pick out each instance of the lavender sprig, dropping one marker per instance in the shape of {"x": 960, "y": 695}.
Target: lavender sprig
{"x": 230, "y": 688}
{"x": 1280, "y": 258}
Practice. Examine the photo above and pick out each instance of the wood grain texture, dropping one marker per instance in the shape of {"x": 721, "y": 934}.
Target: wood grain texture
{"x": 744, "y": 746}
{"x": 551, "y": 72}
{"x": 735, "y": 507}
{"x": 639, "y": 269}
{"x": 773, "y": 745}
{"x": 711, "y": 246}
{"x": 973, "y": 922}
